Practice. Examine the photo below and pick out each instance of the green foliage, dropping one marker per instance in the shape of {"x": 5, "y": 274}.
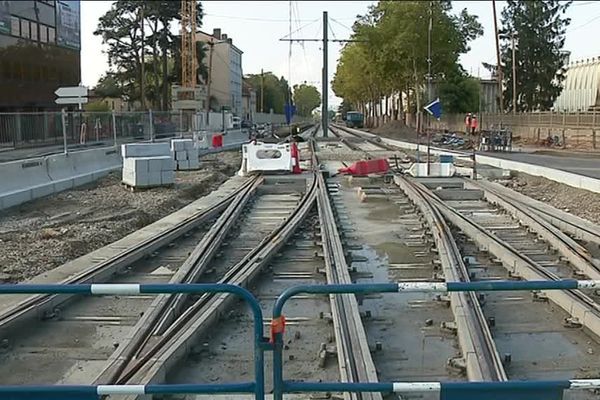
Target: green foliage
{"x": 97, "y": 106}
{"x": 391, "y": 53}
{"x": 306, "y": 99}
{"x": 459, "y": 93}
{"x": 108, "y": 86}
{"x": 539, "y": 28}
{"x": 344, "y": 107}
{"x": 276, "y": 91}
{"x": 121, "y": 30}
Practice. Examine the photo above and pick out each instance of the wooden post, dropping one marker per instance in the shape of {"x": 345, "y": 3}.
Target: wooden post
{"x": 593, "y": 138}
{"x": 564, "y": 141}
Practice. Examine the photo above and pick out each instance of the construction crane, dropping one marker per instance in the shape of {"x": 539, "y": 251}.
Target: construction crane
{"x": 188, "y": 45}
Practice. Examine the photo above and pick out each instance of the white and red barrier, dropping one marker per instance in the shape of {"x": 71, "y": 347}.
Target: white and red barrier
{"x": 265, "y": 157}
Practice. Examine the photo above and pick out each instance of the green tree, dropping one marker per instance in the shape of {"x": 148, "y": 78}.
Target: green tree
{"x": 306, "y": 99}
{"x": 539, "y": 28}
{"x": 390, "y": 56}
{"x": 276, "y": 91}
{"x": 108, "y": 86}
{"x": 97, "y": 106}
{"x": 121, "y": 30}
{"x": 459, "y": 93}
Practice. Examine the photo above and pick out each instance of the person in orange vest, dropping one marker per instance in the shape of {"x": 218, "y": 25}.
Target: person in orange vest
{"x": 468, "y": 123}
{"x": 474, "y": 124}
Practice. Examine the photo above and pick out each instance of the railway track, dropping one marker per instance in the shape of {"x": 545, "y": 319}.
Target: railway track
{"x": 546, "y": 224}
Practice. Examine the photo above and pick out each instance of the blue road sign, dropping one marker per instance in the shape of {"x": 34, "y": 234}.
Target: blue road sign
{"x": 434, "y": 108}
{"x": 290, "y": 110}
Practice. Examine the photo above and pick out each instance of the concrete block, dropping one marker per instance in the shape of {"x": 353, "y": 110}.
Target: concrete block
{"x": 156, "y": 164}
{"x": 64, "y": 184}
{"x": 188, "y": 144}
{"x": 136, "y": 163}
{"x": 154, "y": 178}
{"x": 167, "y": 177}
{"x": 82, "y": 179}
{"x": 167, "y": 164}
{"x": 177, "y": 145}
{"x": 15, "y": 198}
{"x": 145, "y": 149}
{"x": 183, "y": 165}
{"x": 181, "y": 155}
{"x": 42, "y": 190}
{"x": 194, "y": 163}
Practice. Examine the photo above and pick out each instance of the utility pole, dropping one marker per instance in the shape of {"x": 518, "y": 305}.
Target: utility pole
{"x": 324, "y": 111}
{"x": 142, "y": 88}
{"x": 324, "y": 91}
{"x": 209, "y": 80}
{"x": 499, "y": 67}
{"x": 514, "y": 73}
{"x": 429, "y": 85}
{"x": 262, "y": 90}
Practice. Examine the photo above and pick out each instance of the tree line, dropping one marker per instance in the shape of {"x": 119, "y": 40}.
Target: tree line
{"x": 388, "y": 57}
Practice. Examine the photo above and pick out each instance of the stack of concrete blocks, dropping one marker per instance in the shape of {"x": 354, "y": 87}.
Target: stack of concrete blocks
{"x": 185, "y": 154}
{"x": 147, "y": 165}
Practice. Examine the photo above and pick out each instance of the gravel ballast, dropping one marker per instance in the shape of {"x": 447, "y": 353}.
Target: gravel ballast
{"x": 48, "y": 232}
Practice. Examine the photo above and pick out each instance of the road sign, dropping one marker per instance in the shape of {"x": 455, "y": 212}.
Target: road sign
{"x": 290, "y": 110}
{"x": 71, "y": 91}
{"x": 434, "y": 108}
{"x": 71, "y": 100}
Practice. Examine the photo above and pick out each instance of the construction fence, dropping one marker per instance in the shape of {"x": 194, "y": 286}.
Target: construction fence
{"x": 559, "y": 129}
{"x": 29, "y": 130}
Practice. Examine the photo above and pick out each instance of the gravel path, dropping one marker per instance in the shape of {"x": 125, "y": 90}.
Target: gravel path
{"x": 583, "y": 203}
{"x": 51, "y": 231}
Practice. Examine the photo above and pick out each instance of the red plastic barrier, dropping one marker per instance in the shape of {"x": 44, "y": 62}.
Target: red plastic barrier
{"x": 295, "y": 152}
{"x": 217, "y": 141}
{"x": 362, "y": 168}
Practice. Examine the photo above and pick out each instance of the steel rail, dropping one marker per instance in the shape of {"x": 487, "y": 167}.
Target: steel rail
{"x": 165, "y": 308}
{"x": 166, "y": 349}
{"x": 354, "y": 357}
{"x": 479, "y": 351}
{"x": 368, "y": 139}
{"x": 33, "y": 306}
{"x": 574, "y": 302}
{"x": 576, "y": 254}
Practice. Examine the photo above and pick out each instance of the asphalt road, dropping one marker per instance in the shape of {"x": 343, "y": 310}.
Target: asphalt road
{"x": 581, "y": 164}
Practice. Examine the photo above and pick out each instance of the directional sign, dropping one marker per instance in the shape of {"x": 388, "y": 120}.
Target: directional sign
{"x": 71, "y": 100}
{"x": 434, "y": 108}
{"x": 71, "y": 91}
{"x": 290, "y": 110}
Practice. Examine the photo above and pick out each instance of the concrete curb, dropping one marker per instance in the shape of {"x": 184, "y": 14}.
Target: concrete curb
{"x": 26, "y": 180}
{"x": 568, "y": 178}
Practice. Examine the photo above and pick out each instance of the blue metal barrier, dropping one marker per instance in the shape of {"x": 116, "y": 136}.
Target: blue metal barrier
{"x": 513, "y": 390}
{"x": 88, "y": 392}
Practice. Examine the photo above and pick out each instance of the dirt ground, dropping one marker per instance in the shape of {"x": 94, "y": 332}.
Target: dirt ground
{"x": 583, "y": 203}
{"x": 51, "y": 231}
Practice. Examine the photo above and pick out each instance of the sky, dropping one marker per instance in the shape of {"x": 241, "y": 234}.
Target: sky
{"x": 257, "y": 26}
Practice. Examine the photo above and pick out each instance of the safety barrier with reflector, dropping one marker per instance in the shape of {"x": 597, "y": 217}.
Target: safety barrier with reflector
{"x": 513, "y": 390}
{"x": 261, "y": 157}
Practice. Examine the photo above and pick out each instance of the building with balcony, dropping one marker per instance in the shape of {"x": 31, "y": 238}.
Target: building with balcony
{"x": 40, "y": 44}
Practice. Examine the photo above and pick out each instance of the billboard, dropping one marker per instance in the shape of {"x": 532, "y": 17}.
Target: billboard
{"x": 4, "y": 17}
{"x": 68, "y": 24}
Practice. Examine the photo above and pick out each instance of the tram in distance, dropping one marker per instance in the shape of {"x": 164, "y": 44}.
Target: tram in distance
{"x": 355, "y": 119}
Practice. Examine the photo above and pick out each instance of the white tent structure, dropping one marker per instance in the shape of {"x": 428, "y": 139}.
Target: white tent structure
{"x": 581, "y": 87}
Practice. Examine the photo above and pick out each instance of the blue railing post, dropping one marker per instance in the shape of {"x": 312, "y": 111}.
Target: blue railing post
{"x": 258, "y": 386}
{"x": 278, "y": 384}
